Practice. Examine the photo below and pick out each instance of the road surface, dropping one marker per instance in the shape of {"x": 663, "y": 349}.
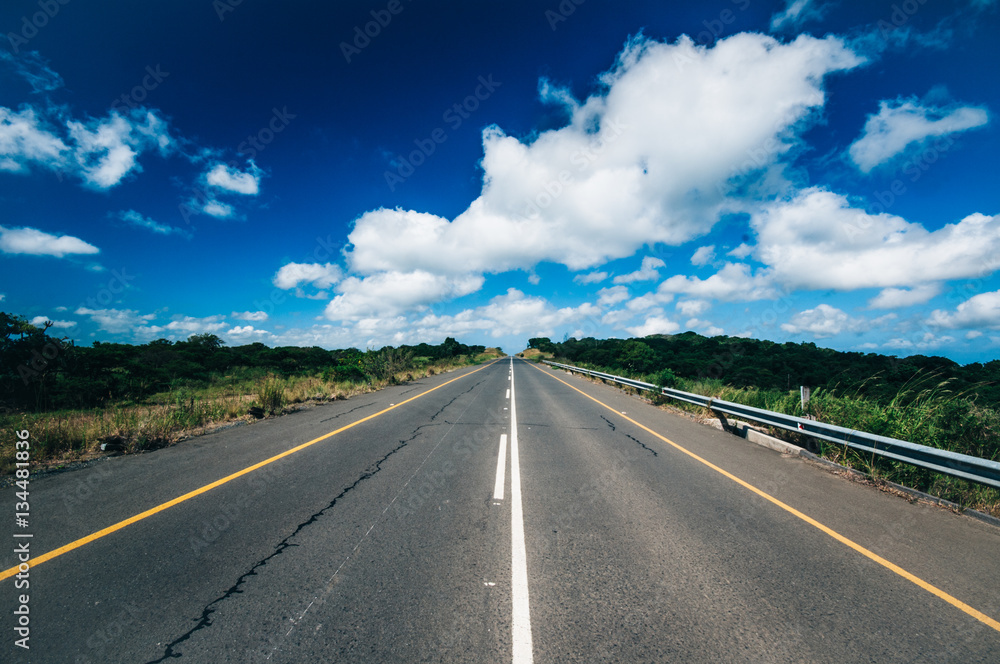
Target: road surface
{"x": 501, "y": 513}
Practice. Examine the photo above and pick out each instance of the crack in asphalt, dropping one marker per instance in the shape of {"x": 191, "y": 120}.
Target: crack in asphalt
{"x": 205, "y": 619}
{"x": 348, "y": 412}
{"x": 633, "y": 438}
{"x": 460, "y": 394}
{"x": 644, "y": 446}
{"x": 415, "y": 433}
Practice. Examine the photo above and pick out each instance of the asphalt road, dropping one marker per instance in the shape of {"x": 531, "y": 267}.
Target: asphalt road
{"x": 619, "y": 533}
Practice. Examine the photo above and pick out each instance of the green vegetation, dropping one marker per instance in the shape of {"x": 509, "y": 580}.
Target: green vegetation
{"x": 73, "y": 399}
{"x": 927, "y": 400}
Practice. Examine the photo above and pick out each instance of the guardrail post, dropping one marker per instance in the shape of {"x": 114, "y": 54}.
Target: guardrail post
{"x": 726, "y": 426}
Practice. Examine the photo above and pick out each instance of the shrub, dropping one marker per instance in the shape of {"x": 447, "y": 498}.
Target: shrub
{"x": 382, "y": 365}
{"x": 271, "y": 395}
{"x": 664, "y": 378}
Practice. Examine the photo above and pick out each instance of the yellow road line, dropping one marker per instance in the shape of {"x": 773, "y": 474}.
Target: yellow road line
{"x": 55, "y": 553}
{"x": 978, "y": 615}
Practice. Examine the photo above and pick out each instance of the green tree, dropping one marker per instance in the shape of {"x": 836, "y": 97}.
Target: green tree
{"x": 638, "y": 357}
{"x": 665, "y": 378}
{"x": 543, "y": 344}
{"x": 206, "y": 340}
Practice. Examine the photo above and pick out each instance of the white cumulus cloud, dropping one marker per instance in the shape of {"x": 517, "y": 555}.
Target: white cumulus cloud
{"x": 138, "y": 220}
{"x": 734, "y": 282}
{"x": 707, "y": 328}
{"x": 590, "y": 277}
{"x": 629, "y": 169}
{"x": 818, "y": 240}
{"x": 247, "y": 333}
{"x": 39, "y": 243}
{"x": 741, "y": 252}
{"x": 607, "y": 297}
{"x": 235, "y": 181}
{"x": 510, "y": 314}
{"x": 797, "y": 12}
{"x": 823, "y": 321}
{"x": 217, "y": 209}
{"x": 393, "y": 293}
{"x": 99, "y": 151}
{"x": 320, "y": 275}
{"x": 895, "y": 298}
{"x": 827, "y": 321}
{"x": 117, "y": 321}
{"x": 39, "y": 321}
{"x": 693, "y": 307}
{"x": 647, "y": 272}
{"x": 107, "y": 150}
{"x": 905, "y": 122}
{"x": 654, "y": 325}
{"x": 25, "y": 138}
{"x": 253, "y": 316}
{"x": 185, "y": 326}
{"x": 703, "y": 255}
{"x": 920, "y": 341}
{"x": 979, "y": 311}
{"x": 517, "y": 313}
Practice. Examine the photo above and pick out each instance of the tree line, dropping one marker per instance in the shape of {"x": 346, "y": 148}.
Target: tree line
{"x": 769, "y": 365}
{"x": 39, "y": 371}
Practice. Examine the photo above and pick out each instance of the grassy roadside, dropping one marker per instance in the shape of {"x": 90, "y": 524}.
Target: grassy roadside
{"x": 65, "y": 436}
{"x": 925, "y": 411}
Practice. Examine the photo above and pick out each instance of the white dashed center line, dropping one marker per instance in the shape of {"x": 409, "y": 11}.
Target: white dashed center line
{"x": 501, "y": 466}
{"x": 521, "y": 615}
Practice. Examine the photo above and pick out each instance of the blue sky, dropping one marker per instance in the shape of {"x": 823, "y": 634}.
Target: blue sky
{"x": 395, "y": 172}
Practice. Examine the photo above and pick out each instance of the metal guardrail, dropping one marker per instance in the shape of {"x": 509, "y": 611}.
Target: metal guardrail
{"x": 955, "y": 464}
